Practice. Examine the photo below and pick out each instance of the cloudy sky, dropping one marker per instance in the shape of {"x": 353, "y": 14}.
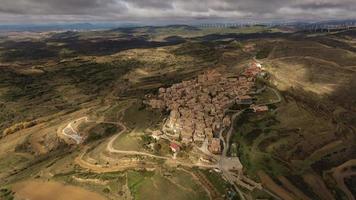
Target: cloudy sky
{"x": 29, "y": 11}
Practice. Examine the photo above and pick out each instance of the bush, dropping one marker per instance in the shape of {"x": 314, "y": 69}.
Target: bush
{"x": 101, "y": 131}
{"x": 263, "y": 53}
{"x": 6, "y": 194}
{"x": 106, "y": 190}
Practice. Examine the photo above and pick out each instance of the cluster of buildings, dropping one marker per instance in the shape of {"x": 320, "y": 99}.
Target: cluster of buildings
{"x": 198, "y": 106}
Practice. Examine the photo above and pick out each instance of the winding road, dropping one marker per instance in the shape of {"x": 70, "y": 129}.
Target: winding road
{"x": 110, "y": 148}
{"x": 343, "y": 171}
{"x": 225, "y": 164}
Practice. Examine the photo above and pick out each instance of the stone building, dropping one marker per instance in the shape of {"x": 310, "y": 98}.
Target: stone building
{"x": 198, "y": 106}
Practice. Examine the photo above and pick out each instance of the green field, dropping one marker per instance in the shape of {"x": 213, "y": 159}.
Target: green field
{"x": 140, "y": 117}
{"x": 152, "y": 186}
{"x": 127, "y": 142}
{"x": 101, "y": 131}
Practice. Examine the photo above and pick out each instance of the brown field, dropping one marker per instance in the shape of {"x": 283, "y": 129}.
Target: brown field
{"x": 318, "y": 186}
{"x": 39, "y": 190}
{"x": 271, "y": 185}
{"x": 289, "y": 186}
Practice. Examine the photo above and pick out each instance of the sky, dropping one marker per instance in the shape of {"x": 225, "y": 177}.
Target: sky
{"x": 173, "y": 11}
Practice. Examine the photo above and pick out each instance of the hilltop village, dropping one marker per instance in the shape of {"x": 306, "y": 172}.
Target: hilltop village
{"x": 198, "y": 107}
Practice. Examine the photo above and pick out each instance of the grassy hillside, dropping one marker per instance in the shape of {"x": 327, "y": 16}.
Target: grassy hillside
{"x": 313, "y": 131}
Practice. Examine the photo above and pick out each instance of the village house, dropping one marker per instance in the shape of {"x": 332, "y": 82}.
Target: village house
{"x": 206, "y": 159}
{"x": 157, "y": 104}
{"x": 156, "y": 134}
{"x": 174, "y": 147}
{"x": 244, "y": 99}
{"x": 198, "y": 106}
{"x": 256, "y": 108}
{"x": 215, "y": 146}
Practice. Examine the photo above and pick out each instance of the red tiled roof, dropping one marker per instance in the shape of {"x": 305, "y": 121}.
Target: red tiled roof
{"x": 174, "y": 146}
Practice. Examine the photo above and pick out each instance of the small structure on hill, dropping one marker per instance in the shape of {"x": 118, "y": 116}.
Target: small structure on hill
{"x": 259, "y": 109}
{"x": 174, "y": 147}
{"x": 215, "y": 146}
{"x": 156, "y": 134}
{"x": 244, "y": 99}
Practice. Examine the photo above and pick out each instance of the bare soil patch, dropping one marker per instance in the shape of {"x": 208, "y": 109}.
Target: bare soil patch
{"x": 40, "y": 190}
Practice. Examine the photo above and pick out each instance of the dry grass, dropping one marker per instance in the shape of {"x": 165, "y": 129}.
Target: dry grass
{"x": 40, "y": 190}
{"x": 307, "y": 73}
{"x": 271, "y": 185}
{"x": 318, "y": 186}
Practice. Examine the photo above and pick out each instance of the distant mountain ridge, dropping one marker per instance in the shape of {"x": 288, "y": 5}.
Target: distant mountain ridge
{"x": 60, "y": 26}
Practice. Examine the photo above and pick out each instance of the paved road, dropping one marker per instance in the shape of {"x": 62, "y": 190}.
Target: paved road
{"x": 75, "y": 135}
{"x": 229, "y": 133}
{"x": 111, "y": 149}
{"x": 279, "y": 96}
{"x": 225, "y": 163}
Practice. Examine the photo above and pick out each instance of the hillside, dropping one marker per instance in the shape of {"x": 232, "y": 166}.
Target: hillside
{"x": 95, "y": 83}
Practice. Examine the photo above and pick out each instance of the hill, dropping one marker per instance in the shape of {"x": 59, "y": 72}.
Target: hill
{"x": 95, "y": 83}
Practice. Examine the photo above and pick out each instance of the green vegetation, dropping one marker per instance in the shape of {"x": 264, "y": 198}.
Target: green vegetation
{"x": 263, "y": 53}
{"x": 128, "y": 142}
{"x": 351, "y": 184}
{"x": 26, "y": 51}
{"x": 267, "y": 96}
{"x": 94, "y": 78}
{"x": 204, "y": 51}
{"x": 162, "y": 148}
{"x": 107, "y": 184}
{"x": 12, "y": 162}
{"x": 181, "y": 31}
{"x": 216, "y": 179}
{"x": 25, "y": 169}
{"x": 101, "y": 131}
{"x": 259, "y": 194}
{"x": 6, "y": 194}
{"x": 152, "y": 185}
{"x": 139, "y": 117}
{"x": 45, "y": 82}
{"x": 314, "y": 49}
{"x": 251, "y": 134}
{"x": 63, "y": 87}
{"x": 272, "y": 142}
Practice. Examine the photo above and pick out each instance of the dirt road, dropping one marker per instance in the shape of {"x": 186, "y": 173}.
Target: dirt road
{"x": 70, "y": 132}
{"x": 343, "y": 171}
{"x": 104, "y": 168}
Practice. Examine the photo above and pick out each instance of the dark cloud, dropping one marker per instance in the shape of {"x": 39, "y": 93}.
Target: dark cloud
{"x": 255, "y": 6}
{"x": 155, "y": 4}
{"x": 60, "y": 7}
{"x": 316, "y": 6}
{"x": 145, "y": 10}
